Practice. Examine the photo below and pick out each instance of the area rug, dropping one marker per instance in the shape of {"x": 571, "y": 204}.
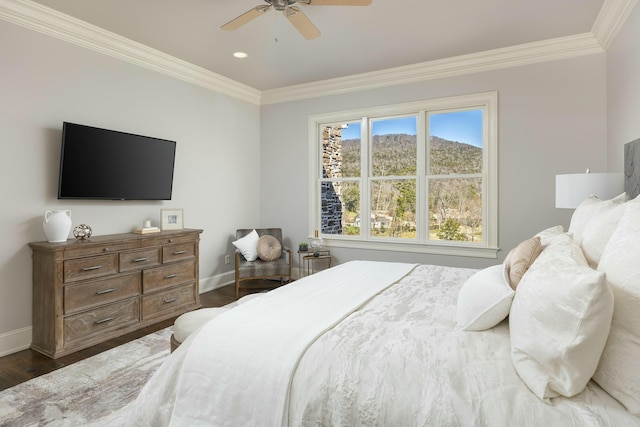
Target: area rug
{"x": 93, "y": 392}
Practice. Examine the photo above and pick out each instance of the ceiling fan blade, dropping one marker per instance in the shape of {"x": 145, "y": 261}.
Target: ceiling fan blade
{"x": 301, "y": 22}
{"x": 245, "y": 17}
{"x": 337, "y": 2}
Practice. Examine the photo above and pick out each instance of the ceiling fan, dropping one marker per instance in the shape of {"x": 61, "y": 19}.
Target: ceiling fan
{"x": 292, "y": 13}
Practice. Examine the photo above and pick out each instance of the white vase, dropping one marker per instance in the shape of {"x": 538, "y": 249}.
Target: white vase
{"x": 57, "y": 225}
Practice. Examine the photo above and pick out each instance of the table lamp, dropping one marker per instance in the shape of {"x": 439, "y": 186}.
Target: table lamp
{"x": 572, "y": 189}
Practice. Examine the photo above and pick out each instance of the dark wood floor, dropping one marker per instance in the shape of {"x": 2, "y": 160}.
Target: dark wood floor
{"x": 27, "y": 364}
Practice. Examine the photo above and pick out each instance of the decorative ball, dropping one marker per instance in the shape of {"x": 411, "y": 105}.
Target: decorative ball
{"x": 82, "y": 232}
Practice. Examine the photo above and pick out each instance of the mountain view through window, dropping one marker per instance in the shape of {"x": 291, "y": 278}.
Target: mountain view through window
{"x": 404, "y": 181}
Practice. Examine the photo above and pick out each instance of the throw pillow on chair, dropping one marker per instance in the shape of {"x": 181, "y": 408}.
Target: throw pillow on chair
{"x": 269, "y": 248}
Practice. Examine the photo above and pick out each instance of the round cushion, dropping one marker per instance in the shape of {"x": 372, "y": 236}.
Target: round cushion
{"x": 269, "y": 248}
{"x": 187, "y": 323}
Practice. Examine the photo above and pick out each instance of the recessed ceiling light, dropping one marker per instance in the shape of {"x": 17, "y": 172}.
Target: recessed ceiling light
{"x": 240, "y": 54}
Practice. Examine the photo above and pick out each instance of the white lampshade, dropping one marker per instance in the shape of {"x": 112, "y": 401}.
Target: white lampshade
{"x": 572, "y": 189}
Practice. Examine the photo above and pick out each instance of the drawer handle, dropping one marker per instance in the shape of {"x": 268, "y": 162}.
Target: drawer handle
{"x": 141, "y": 259}
{"x": 106, "y": 250}
{"x": 179, "y": 252}
{"x": 105, "y": 291}
{"x": 170, "y": 300}
{"x": 95, "y": 267}
{"x": 170, "y": 240}
{"x": 108, "y": 319}
{"x": 170, "y": 276}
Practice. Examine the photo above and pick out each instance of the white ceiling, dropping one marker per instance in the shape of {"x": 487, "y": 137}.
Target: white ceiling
{"x": 354, "y": 39}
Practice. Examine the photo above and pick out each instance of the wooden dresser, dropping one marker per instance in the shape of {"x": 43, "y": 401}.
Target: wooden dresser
{"x": 86, "y": 292}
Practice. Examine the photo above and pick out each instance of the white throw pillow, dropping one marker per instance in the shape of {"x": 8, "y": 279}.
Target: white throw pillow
{"x": 559, "y": 321}
{"x": 549, "y": 233}
{"x": 599, "y": 229}
{"x": 586, "y": 210}
{"x": 619, "y": 369}
{"x": 484, "y": 299}
{"x": 248, "y": 245}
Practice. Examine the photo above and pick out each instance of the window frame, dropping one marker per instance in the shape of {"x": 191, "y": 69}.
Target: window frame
{"x": 487, "y": 101}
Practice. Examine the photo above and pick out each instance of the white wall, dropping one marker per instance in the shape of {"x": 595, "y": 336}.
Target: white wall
{"x": 552, "y": 120}
{"x": 45, "y": 81}
{"x": 623, "y": 90}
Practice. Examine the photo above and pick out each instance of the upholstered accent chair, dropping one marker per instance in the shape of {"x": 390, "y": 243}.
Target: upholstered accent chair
{"x": 279, "y": 268}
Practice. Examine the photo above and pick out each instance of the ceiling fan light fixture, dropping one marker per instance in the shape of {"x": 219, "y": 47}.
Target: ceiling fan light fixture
{"x": 297, "y": 18}
{"x": 280, "y": 5}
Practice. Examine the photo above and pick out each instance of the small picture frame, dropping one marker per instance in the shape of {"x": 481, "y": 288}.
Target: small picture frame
{"x": 171, "y": 219}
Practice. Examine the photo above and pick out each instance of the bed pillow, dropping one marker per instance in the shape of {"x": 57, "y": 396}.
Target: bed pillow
{"x": 269, "y": 248}
{"x": 586, "y": 210}
{"x": 484, "y": 300}
{"x": 619, "y": 371}
{"x": 549, "y": 233}
{"x": 248, "y": 245}
{"x": 520, "y": 258}
{"x": 599, "y": 229}
{"x": 559, "y": 321}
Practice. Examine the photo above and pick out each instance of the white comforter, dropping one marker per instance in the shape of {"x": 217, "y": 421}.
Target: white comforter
{"x": 398, "y": 361}
{"x": 255, "y": 348}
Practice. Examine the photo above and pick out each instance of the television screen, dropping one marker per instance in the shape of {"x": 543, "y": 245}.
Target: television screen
{"x": 105, "y": 164}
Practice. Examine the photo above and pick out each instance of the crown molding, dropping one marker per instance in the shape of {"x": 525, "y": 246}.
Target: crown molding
{"x": 51, "y": 22}
{"x": 59, "y": 25}
{"x": 610, "y": 20}
{"x": 547, "y": 50}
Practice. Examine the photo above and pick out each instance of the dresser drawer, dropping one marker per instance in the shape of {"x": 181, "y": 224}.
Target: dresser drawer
{"x": 87, "y": 295}
{"x": 92, "y": 249}
{"x": 168, "y": 240}
{"x": 137, "y": 260}
{"x": 166, "y": 302}
{"x": 89, "y": 268}
{"x": 172, "y": 253}
{"x": 103, "y": 319}
{"x": 168, "y": 275}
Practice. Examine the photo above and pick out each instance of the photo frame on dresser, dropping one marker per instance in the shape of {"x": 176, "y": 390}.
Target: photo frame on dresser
{"x": 171, "y": 219}
{"x": 632, "y": 168}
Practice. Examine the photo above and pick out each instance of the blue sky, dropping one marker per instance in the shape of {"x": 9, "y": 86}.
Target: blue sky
{"x": 461, "y": 126}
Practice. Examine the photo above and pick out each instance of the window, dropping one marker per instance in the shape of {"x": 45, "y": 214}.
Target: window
{"x": 419, "y": 177}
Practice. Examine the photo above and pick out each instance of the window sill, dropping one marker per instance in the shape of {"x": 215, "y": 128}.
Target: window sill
{"x": 414, "y": 247}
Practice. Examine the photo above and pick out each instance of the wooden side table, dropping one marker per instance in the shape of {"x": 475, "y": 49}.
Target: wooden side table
{"x": 307, "y": 260}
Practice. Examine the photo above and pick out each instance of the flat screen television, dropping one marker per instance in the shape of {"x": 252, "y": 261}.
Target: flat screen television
{"x": 101, "y": 164}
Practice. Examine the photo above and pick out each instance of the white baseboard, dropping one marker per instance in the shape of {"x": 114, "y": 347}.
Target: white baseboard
{"x": 217, "y": 281}
{"x": 20, "y": 339}
{"x": 14, "y": 341}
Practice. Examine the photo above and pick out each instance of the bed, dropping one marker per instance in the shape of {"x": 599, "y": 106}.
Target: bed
{"x": 549, "y": 337}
